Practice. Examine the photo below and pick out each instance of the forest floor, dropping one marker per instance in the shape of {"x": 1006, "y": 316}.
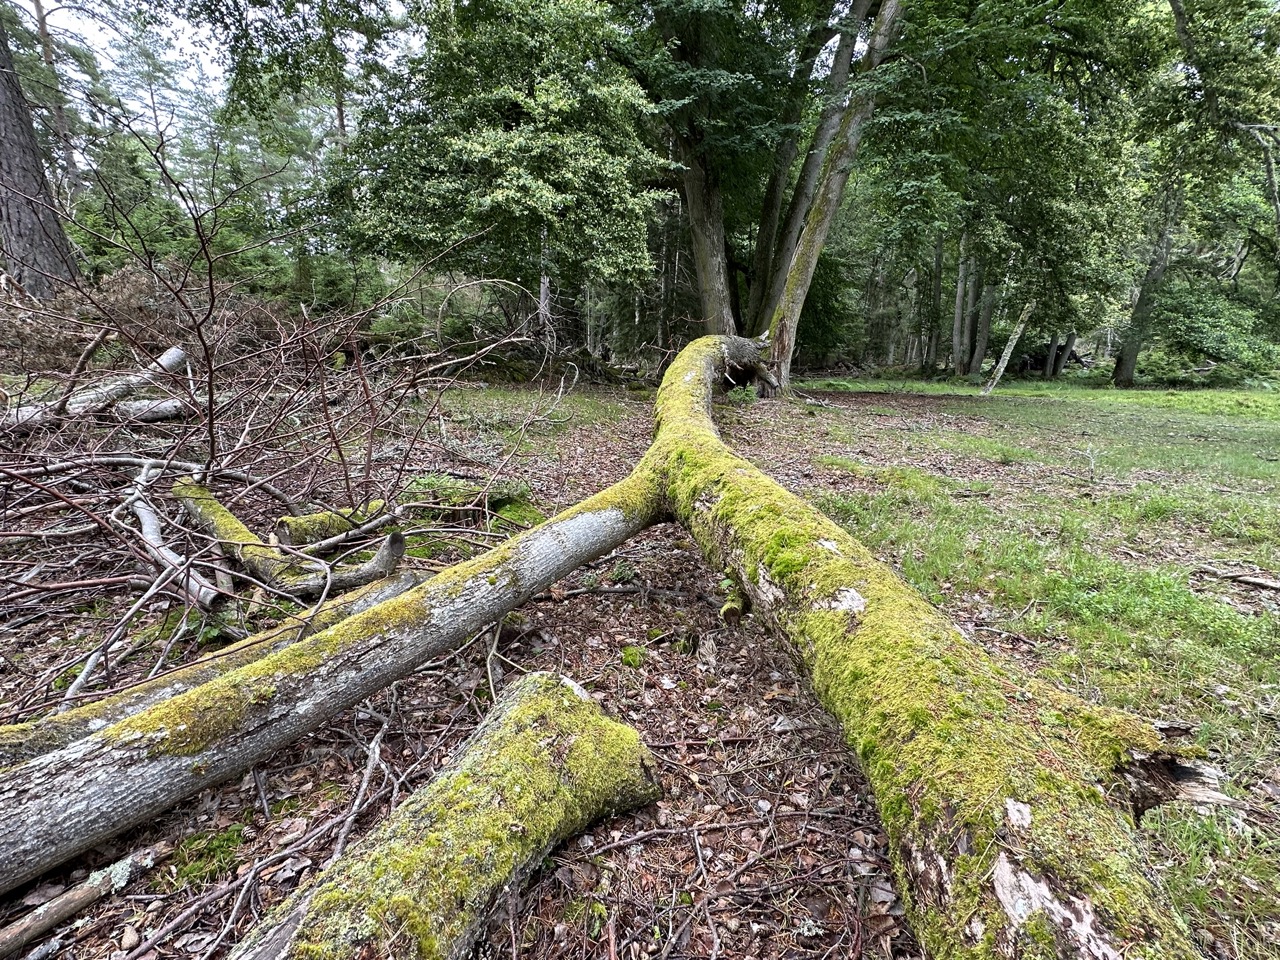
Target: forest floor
{"x": 1091, "y": 536}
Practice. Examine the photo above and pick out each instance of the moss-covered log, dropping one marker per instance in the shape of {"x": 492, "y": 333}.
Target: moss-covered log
{"x": 1009, "y": 805}
{"x": 22, "y": 741}
{"x": 314, "y": 527}
{"x": 545, "y": 764}
{"x": 56, "y": 805}
{"x": 292, "y": 574}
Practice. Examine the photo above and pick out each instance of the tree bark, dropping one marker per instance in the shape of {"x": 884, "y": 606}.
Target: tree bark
{"x": 32, "y": 241}
{"x": 987, "y": 308}
{"x": 1145, "y": 304}
{"x": 957, "y": 317}
{"x": 1051, "y": 360}
{"x": 542, "y": 767}
{"x": 63, "y": 802}
{"x": 806, "y": 185}
{"x": 290, "y": 573}
{"x": 975, "y": 284}
{"x": 94, "y": 399}
{"x": 706, "y": 235}
{"x": 24, "y": 741}
{"x": 1012, "y": 837}
{"x": 1064, "y": 354}
{"x": 836, "y": 168}
{"x": 1009, "y": 348}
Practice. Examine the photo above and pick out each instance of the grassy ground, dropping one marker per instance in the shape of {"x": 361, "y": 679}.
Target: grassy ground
{"x": 1078, "y": 530}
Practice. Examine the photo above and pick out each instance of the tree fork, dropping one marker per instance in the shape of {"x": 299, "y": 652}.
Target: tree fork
{"x": 544, "y": 765}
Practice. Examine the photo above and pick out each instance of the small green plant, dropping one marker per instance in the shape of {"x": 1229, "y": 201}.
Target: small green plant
{"x": 742, "y": 396}
{"x": 633, "y": 657}
{"x": 623, "y": 572}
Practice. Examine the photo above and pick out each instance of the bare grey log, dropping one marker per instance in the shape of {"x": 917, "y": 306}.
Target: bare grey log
{"x": 545, "y": 764}
{"x": 152, "y": 411}
{"x": 22, "y": 741}
{"x": 94, "y": 399}
{"x": 62, "y": 803}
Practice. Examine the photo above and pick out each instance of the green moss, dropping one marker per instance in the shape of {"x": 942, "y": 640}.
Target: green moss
{"x": 947, "y": 735}
{"x": 543, "y": 765}
{"x": 633, "y": 657}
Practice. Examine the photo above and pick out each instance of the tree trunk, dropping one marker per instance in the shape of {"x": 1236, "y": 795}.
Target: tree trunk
{"x": 836, "y": 169}
{"x": 806, "y": 186}
{"x": 706, "y": 236}
{"x": 1013, "y": 837}
{"x": 32, "y": 243}
{"x": 1145, "y": 304}
{"x": 93, "y": 400}
{"x": 976, "y": 271}
{"x": 63, "y": 802}
{"x": 1051, "y": 360}
{"x": 271, "y": 565}
{"x": 957, "y": 318}
{"x": 1009, "y": 348}
{"x": 983, "y": 334}
{"x": 1064, "y": 354}
{"x": 544, "y": 765}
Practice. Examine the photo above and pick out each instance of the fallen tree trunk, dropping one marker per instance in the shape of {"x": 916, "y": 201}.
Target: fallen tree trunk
{"x": 22, "y": 741}
{"x": 545, "y": 764}
{"x": 314, "y": 527}
{"x": 1009, "y": 805}
{"x": 61, "y": 803}
{"x": 94, "y": 399}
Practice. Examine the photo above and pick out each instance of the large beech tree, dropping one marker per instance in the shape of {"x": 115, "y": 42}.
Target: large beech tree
{"x": 1010, "y": 805}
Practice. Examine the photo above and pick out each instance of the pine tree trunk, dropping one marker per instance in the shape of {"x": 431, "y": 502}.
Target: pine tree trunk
{"x": 32, "y": 243}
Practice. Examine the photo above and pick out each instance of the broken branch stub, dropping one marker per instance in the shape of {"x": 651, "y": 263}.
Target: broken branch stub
{"x": 542, "y": 767}
{"x": 271, "y": 565}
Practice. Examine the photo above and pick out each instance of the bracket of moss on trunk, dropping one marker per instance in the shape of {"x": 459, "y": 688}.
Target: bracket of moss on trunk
{"x": 545, "y": 764}
{"x": 1010, "y": 806}
{"x": 292, "y": 574}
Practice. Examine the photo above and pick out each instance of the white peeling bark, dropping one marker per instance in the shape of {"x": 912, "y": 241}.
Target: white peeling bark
{"x": 62, "y": 803}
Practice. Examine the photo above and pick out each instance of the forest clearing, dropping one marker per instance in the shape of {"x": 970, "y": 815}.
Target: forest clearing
{"x": 1088, "y": 535}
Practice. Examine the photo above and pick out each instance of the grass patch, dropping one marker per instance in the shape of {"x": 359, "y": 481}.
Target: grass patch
{"x": 1088, "y": 575}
